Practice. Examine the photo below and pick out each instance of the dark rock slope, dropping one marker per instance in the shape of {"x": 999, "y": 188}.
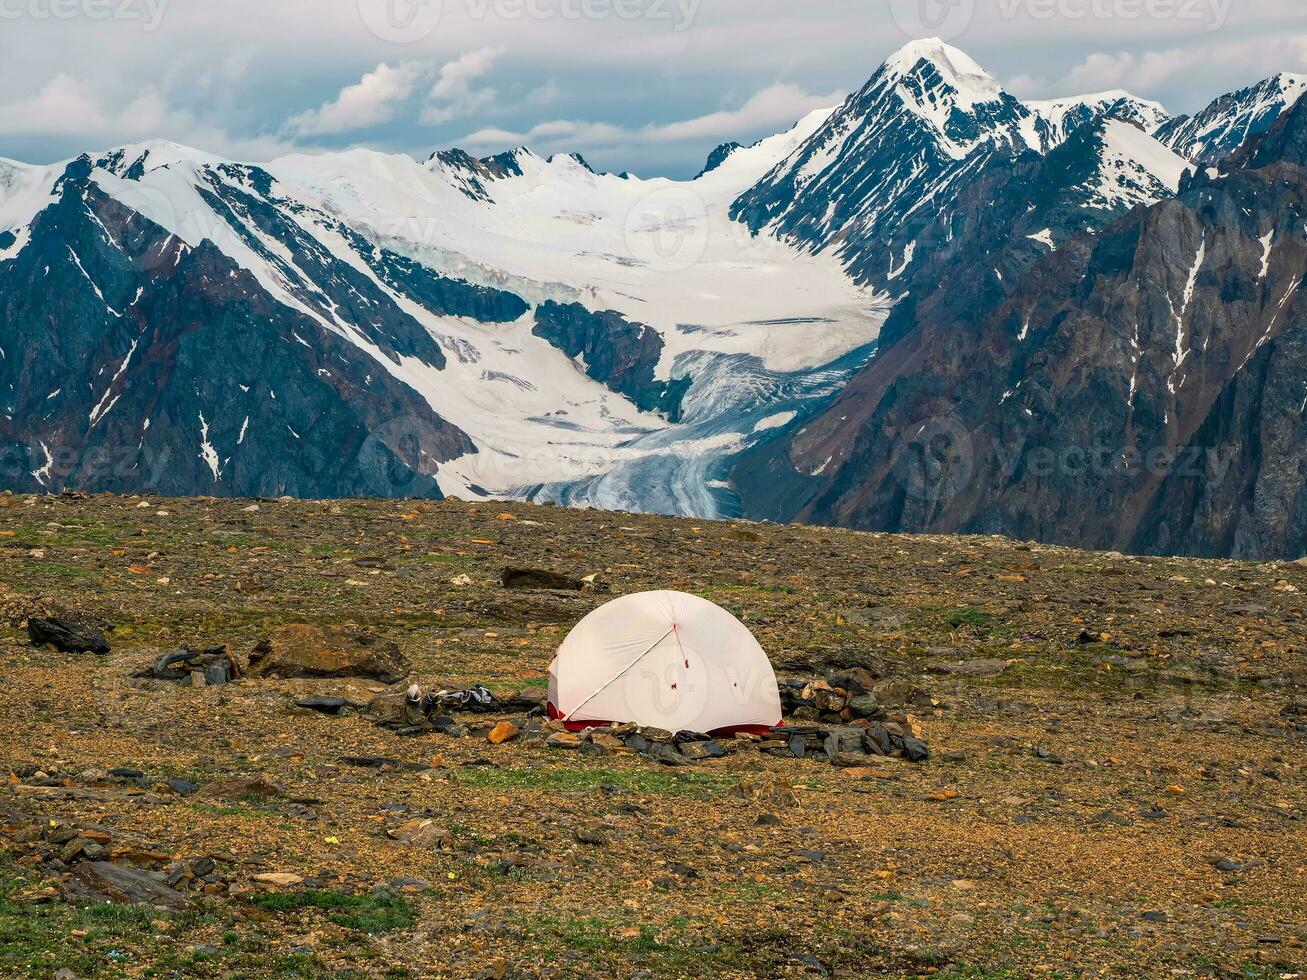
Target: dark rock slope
{"x": 1140, "y": 389}
{"x": 134, "y": 361}
{"x": 614, "y": 351}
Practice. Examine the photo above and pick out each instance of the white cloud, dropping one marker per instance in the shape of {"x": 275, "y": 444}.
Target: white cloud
{"x": 1221, "y": 66}
{"x": 61, "y": 107}
{"x": 67, "y": 106}
{"x": 373, "y": 100}
{"x": 776, "y": 105}
{"x": 227, "y": 75}
{"x": 770, "y": 110}
{"x": 454, "y": 96}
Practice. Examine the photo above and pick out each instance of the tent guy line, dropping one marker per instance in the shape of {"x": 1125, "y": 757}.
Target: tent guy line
{"x": 618, "y": 676}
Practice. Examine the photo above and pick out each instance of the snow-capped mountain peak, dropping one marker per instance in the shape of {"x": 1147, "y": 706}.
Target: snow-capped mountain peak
{"x": 944, "y": 87}
{"x": 948, "y": 71}
{"x": 1211, "y": 135}
{"x": 874, "y": 180}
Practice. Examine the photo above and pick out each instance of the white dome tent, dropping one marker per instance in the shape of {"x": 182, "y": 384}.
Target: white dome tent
{"x": 664, "y": 660}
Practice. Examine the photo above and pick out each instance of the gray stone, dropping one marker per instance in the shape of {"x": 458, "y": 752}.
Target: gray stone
{"x": 107, "y": 882}
{"x": 710, "y": 749}
{"x": 876, "y": 740}
{"x": 864, "y": 705}
{"x": 319, "y": 702}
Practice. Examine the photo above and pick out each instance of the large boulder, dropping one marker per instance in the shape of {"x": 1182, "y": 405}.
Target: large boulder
{"x": 311, "y": 651}
{"x": 66, "y": 636}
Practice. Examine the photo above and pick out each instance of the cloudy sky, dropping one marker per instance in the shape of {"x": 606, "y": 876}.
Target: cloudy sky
{"x": 646, "y": 85}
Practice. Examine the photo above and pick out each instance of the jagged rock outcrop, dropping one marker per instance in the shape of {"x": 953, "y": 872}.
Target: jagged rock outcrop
{"x": 1231, "y": 121}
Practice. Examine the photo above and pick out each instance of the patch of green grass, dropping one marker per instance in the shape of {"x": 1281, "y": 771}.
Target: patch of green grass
{"x": 668, "y": 948}
{"x": 380, "y": 912}
{"x": 50, "y": 570}
{"x": 36, "y": 940}
{"x": 563, "y": 779}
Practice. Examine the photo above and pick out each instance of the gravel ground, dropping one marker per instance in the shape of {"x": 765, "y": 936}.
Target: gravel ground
{"x": 1116, "y": 785}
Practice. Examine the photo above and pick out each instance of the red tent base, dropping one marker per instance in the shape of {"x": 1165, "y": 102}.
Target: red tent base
{"x": 583, "y": 726}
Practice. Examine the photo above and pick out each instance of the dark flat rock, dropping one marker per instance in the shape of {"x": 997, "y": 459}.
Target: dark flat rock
{"x": 66, "y": 636}
{"x": 104, "y": 881}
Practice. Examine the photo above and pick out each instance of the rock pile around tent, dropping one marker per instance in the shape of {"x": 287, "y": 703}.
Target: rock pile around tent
{"x": 853, "y": 741}
{"x": 675, "y": 678}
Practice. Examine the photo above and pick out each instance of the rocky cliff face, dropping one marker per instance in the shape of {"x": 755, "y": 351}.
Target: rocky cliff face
{"x": 1144, "y": 388}
{"x": 614, "y": 351}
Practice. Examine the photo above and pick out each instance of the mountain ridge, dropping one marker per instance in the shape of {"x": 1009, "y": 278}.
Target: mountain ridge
{"x": 525, "y": 327}
{"x": 1167, "y": 351}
